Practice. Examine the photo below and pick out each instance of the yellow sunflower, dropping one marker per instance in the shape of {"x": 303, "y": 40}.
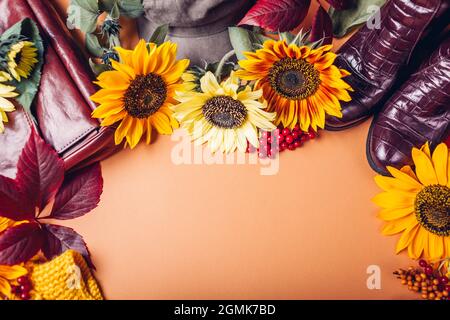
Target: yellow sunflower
{"x": 4, "y": 76}
{"x": 8, "y": 274}
{"x": 300, "y": 84}
{"x": 22, "y": 57}
{"x": 222, "y": 115}
{"x": 139, "y": 91}
{"x": 417, "y": 204}
{"x": 5, "y": 104}
{"x": 5, "y": 223}
{"x": 189, "y": 81}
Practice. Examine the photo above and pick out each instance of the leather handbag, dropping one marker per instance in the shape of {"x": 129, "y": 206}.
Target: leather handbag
{"x": 62, "y": 106}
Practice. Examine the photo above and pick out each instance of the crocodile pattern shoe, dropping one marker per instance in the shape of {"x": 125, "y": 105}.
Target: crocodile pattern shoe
{"x": 418, "y": 112}
{"x": 376, "y": 56}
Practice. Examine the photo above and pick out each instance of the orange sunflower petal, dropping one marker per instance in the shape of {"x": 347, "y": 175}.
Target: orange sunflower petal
{"x": 417, "y": 245}
{"x": 124, "y": 68}
{"x": 396, "y": 226}
{"x": 174, "y": 74}
{"x": 406, "y": 238}
{"x": 122, "y": 129}
{"x": 113, "y": 118}
{"x": 424, "y": 167}
{"x": 139, "y": 57}
{"x": 135, "y": 133}
{"x": 436, "y": 247}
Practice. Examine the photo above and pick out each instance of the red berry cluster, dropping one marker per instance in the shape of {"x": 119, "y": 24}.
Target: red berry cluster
{"x": 268, "y": 145}
{"x": 23, "y": 289}
{"x": 295, "y": 138}
{"x": 279, "y": 140}
{"x": 426, "y": 280}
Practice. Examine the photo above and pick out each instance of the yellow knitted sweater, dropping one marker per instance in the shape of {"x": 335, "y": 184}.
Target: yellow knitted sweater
{"x": 66, "y": 277}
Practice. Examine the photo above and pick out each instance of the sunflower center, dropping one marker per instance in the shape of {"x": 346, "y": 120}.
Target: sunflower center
{"x": 18, "y": 58}
{"x": 294, "y": 79}
{"x": 224, "y": 112}
{"x": 145, "y": 95}
{"x": 433, "y": 209}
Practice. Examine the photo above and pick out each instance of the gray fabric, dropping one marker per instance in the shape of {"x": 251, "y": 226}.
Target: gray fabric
{"x": 198, "y": 26}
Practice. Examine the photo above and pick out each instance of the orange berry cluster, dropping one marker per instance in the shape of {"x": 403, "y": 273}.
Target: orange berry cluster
{"x": 426, "y": 280}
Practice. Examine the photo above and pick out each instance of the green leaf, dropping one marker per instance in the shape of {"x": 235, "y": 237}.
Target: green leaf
{"x": 13, "y": 30}
{"x": 245, "y": 40}
{"x": 98, "y": 68}
{"x": 159, "y": 35}
{"x": 345, "y": 20}
{"x": 115, "y": 12}
{"x": 83, "y": 14}
{"x": 27, "y": 88}
{"x": 89, "y": 5}
{"x": 93, "y": 45}
{"x": 131, "y": 8}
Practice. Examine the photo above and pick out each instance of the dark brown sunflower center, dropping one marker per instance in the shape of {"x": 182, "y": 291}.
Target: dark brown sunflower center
{"x": 294, "y": 79}
{"x": 433, "y": 209}
{"x": 224, "y": 112}
{"x": 145, "y": 95}
{"x": 18, "y": 58}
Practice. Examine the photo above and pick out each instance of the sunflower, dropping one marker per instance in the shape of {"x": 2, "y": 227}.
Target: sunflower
{"x": 191, "y": 82}
{"x": 5, "y": 104}
{"x": 22, "y": 57}
{"x": 8, "y": 275}
{"x": 417, "y": 204}
{"x": 5, "y": 223}
{"x": 139, "y": 91}
{"x": 301, "y": 84}
{"x": 4, "y": 76}
{"x": 223, "y": 115}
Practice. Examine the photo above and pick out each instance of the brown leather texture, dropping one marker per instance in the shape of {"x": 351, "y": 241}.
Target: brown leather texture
{"x": 62, "y": 106}
{"x": 376, "y": 56}
{"x": 417, "y": 113}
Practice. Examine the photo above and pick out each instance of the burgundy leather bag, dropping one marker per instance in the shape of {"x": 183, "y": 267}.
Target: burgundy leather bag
{"x": 62, "y": 106}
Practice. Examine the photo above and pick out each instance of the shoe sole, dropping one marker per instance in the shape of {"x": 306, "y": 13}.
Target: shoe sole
{"x": 328, "y": 128}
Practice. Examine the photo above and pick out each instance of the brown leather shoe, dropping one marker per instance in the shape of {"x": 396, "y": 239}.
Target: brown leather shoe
{"x": 375, "y": 57}
{"x": 417, "y": 113}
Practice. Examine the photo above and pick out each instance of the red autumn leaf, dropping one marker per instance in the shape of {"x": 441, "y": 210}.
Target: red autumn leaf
{"x": 20, "y": 243}
{"x": 79, "y": 194}
{"x": 11, "y": 203}
{"x": 277, "y": 15}
{"x": 341, "y": 4}
{"x": 322, "y": 27}
{"x": 40, "y": 171}
{"x": 58, "y": 239}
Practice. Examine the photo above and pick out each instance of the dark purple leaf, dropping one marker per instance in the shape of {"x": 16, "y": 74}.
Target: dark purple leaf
{"x": 341, "y": 4}
{"x": 277, "y": 15}
{"x": 40, "y": 171}
{"x": 12, "y": 205}
{"x": 322, "y": 27}
{"x": 79, "y": 194}
{"x": 20, "y": 243}
{"x": 58, "y": 239}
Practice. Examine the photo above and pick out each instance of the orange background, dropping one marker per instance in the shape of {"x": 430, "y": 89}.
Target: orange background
{"x": 166, "y": 231}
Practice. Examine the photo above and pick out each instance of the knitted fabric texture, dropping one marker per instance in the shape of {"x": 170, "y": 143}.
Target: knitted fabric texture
{"x": 66, "y": 277}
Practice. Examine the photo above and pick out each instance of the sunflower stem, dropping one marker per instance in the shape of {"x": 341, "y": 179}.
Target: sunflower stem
{"x": 222, "y": 62}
